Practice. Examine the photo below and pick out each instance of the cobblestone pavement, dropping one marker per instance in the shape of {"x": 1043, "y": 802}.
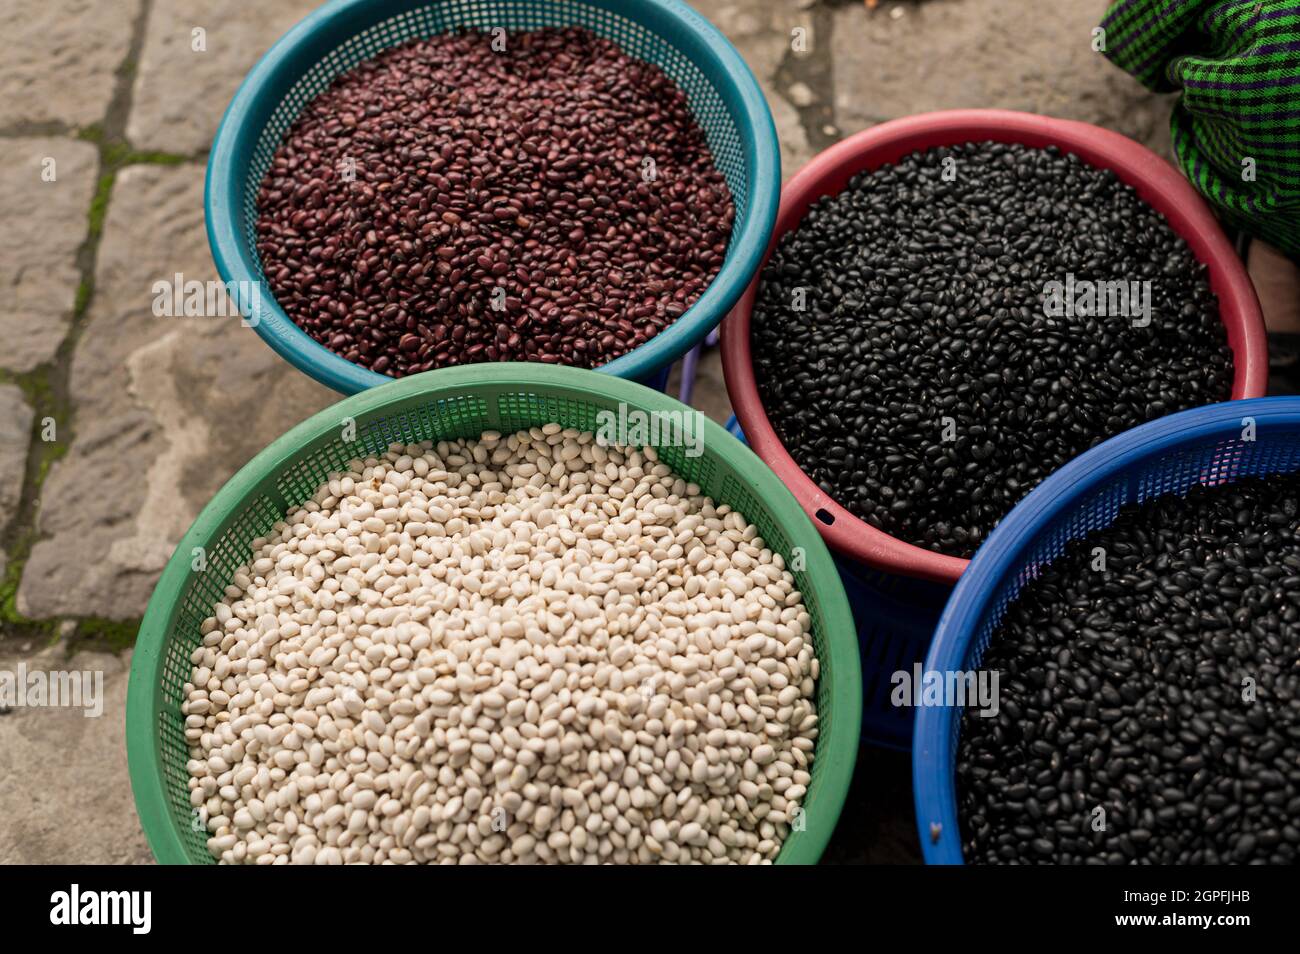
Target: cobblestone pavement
{"x": 116, "y": 426}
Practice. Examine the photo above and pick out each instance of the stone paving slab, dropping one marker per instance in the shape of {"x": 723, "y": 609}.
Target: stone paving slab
{"x": 710, "y": 395}
{"x": 1006, "y": 54}
{"x": 15, "y": 436}
{"x": 166, "y": 410}
{"x": 763, "y": 31}
{"x": 65, "y": 794}
{"x": 45, "y": 222}
{"x": 181, "y": 93}
{"x": 57, "y": 60}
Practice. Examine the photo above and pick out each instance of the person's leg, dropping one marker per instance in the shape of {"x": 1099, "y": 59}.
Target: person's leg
{"x": 1277, "y": 280}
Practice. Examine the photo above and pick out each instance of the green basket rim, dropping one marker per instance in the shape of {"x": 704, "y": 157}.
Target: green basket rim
{"x": 837, "y": 741}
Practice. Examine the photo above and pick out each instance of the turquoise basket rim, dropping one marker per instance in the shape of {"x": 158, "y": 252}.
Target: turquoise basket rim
{"x": 1003, "y": 553}
{"x": 304, "y": 45}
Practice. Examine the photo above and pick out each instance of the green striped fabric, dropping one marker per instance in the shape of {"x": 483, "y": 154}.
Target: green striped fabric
{"x": 1236, "y": 128}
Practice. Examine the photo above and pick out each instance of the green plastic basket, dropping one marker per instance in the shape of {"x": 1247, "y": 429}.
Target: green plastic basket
{"x": 451, "y": 403}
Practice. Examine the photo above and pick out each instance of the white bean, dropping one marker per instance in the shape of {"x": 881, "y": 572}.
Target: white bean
{"x": 529, "y": 647}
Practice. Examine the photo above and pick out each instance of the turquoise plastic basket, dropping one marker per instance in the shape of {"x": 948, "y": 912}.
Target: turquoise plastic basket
{"x": 1169, "y": 456}
{"x": 721, "y": 91}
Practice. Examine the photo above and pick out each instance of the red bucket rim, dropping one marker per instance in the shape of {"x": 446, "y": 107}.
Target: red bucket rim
{"x": 1158, "y": 183}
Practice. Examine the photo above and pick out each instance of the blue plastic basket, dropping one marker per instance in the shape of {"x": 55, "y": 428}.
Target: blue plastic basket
{"x": 1168, "y": 456}
{"x": 895, "y": 618}
{"x": 721, "y": 91}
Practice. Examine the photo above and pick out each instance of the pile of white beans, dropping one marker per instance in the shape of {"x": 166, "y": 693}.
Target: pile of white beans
{"x": 529, "y": 648}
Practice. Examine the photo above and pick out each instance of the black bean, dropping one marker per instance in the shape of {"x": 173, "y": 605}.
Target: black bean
{"x": 1193, "y": 753}
{"x": 910, "y": 298}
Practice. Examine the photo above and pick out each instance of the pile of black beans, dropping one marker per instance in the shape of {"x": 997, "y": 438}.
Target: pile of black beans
{"x": 1149, "y": 712}
{"x": 904, "y": 351}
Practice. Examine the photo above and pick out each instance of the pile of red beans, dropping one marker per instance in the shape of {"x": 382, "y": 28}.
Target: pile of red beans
{"x": 476, "y": 197}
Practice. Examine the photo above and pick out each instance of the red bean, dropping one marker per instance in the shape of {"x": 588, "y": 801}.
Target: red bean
{"x": 446, "y": 203}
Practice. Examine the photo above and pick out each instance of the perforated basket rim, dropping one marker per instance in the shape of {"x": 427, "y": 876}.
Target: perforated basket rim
{"x": 282, "y": 65}
{"x": 836, "y": 748}
{"x": 1004, "y": 553}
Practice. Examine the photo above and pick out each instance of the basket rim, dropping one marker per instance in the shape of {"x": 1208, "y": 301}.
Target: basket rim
{"x": 282, "y": 65}
{"x": 1158, "y": 183}
{"x": 837, "y": 742}
{"x": 933, "y": 783}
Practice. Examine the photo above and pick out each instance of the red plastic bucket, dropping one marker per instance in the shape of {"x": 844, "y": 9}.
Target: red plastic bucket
{"x": 1158, "y": 183}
